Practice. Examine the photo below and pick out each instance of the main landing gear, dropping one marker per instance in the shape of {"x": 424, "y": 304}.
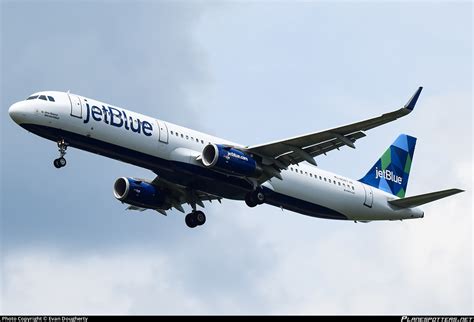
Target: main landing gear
{"x": 254, "y": 198}
{"x": 195, "y": 218}
{"x": 61, "y": 161}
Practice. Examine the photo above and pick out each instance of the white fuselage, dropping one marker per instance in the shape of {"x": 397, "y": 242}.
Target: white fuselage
{"x": 162, "y": 146}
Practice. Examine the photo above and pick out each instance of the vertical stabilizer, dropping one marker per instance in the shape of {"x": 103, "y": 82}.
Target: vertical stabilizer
{"x": 390, "y": 173}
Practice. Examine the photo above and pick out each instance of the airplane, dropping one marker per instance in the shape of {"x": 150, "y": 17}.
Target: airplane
{"x": 192, "y": 167}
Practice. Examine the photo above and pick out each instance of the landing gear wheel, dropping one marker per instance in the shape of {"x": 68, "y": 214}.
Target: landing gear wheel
{"x": 195, "y": 218}
{"x": 250, "y": 200}
{"x": 200, "y": 218}
{"x": 260, "y": 197}
{"x": 56, "y": 163}
{"x": 62, "y": 147}
{"x": 62, "y": 162}
{"x": 190, "y": 220}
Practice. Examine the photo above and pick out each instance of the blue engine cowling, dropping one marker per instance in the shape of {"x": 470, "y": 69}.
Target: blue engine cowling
{"x": 138, "y": 193}
{"x": 230, "y": 161}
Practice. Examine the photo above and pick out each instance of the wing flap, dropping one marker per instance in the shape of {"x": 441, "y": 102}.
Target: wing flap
{"x": 419, "y": 200}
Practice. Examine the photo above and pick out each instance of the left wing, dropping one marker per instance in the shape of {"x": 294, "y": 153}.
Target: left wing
{"x": 177, "y": 195}
{"x": 304, "y": 148}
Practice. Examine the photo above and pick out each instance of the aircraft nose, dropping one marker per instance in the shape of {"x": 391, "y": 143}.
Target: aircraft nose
{"x": 17, "y": 111}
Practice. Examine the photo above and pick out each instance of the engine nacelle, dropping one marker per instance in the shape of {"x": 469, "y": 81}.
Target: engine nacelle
{"x": 138, "y": 193}
{"x": 230, "y": 161}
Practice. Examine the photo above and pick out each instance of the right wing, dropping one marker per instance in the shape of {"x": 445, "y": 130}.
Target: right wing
{"x": 281, "y": 154}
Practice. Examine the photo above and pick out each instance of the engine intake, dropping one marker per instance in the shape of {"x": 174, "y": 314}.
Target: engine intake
{"x": 138, "y": 193}
{"x": 230, "y": 161}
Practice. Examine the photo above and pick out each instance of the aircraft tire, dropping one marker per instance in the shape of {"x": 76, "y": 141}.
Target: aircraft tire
{"x": 200, "y": 218}
{"x": 251, "y": 200}
{"x": 56, "y": 163}
{"x": 190, "y": 220}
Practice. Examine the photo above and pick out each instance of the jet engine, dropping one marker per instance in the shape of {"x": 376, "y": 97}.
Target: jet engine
{"x": 138, "y": 193}
{"x": 230, "y": 161}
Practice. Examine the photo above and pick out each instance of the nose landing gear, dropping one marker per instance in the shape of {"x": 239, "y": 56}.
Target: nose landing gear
{"x": 61, "y": 161}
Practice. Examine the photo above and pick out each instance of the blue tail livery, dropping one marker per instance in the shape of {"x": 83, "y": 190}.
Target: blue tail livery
{"x": 390, "y": 173}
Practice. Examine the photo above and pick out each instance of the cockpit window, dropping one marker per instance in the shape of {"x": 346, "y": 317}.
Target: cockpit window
{"x": 32, "y": 97}
{"x": 51, "y": 98}
{"x": 42, "y": 97}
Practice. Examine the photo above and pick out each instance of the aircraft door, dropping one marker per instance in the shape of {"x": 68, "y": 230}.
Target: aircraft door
{"x": 369, "y": 196}
{"x": 163, "y": 131}
{"x": 76, "y": 106}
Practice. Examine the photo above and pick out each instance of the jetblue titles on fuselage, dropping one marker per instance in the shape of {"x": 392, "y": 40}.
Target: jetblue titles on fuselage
{"x": 118, "y": 118}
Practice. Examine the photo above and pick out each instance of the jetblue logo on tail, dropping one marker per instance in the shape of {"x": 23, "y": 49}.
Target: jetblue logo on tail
{"x": 388, "y": 175}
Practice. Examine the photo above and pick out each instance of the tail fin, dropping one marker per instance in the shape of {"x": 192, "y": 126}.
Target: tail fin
{"x": 390, "y": 172}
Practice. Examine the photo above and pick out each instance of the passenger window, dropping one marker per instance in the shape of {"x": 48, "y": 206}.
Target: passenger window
{"x": 51, "y": 98}
{"x": 329, "y": 180}
{"x": 171, "y": 132}
{"x": 32, "y": 97}
{"x": 187, "y": 137}
{"x": 197, "y": 140}
{"x": 306, "y": 173}
{"x": 334, "y": 181}
{"x": 311, "y": 175}
{"x": 320, "y": 178}
{"x": 177, "y": 134}
{"x": 352, "y": 187}
{"x": 339, "y": 183}
{"x": 42, "y": 97}
{"x": 325, "y": 179}
{"x": 202, "y": 141}
{"x": 182, "y": 136}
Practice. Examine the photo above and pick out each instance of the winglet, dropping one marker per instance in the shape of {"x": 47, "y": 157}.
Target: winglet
{"x": 410, "y": 105}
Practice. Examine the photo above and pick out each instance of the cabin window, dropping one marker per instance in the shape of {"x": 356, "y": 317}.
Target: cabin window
{"x": 329, "y": 180}
{"x": 325, "y": 179}
{"x": 171, "y": 132}
{"x": 197, "y": 140}
{"x": 339, "y": 183}
{"x": 202, "y": 141}
{"x": 320, "y": 178}
{"x": 187, "y": 137}
{"x": 51, "y": 98}
{"x": 182, "y": 136}
{"x": 311, "y": 175}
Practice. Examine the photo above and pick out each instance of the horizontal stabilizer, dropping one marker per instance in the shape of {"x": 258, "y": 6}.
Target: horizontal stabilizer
{"x": 419, "y": 200}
